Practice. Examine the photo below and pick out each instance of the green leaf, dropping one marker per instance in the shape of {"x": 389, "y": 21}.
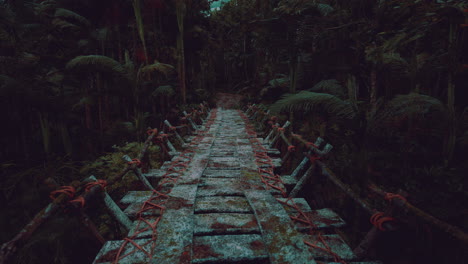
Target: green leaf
{"x": 308, "y": 102}
{"x": 70, "y": 15}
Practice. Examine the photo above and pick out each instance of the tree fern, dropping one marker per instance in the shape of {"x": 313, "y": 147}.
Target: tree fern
{"x": 64, "y": 25}
{"x": 331, "y": 86}
{"x": 324, "y": 9}
{"x": 164, "y": 90}
{"x": 92, "y": 63}
{"x": 413, "y": 106}
{"x": 157, "y": 66}
{"x": 279, "y": 82}
{"x": 70, "y": 15}
{"x": 307, "y": 102}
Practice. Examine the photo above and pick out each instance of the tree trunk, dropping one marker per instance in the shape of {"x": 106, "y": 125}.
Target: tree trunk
{"x": 181, "y": 9}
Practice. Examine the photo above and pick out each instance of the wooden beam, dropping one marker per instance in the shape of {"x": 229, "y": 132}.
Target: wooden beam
{"x": 451, "y": 230}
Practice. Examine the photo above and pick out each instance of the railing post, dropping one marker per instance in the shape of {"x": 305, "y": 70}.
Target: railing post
{"x": 169, "y": 126}
{"x": 190, "y": 120}
{"x": 279, "y": 133}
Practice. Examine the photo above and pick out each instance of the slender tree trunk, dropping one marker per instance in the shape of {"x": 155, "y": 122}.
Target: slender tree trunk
{"x": 373, "y": 91}
{"x": 181, "y": 9}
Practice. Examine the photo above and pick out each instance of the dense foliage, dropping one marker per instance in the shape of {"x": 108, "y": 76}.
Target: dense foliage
{"x": 382, "y": 81}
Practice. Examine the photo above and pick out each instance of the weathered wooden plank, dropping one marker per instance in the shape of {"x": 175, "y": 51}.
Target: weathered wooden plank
{"x": 222, "y": 204}
{"x": 283, "y": 242}
{"x": 229, "y": 249}
{"x": 225, "y": 223}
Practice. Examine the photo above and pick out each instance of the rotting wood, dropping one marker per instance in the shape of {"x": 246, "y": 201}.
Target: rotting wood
{"x": 279, "y": 133}
{"x": 330, "y": 175}
{"x": 9, "y": 248}
{"x": 302, "y": 182}
{"x": 169, "y": 126}
{"x": 408, "y": 207}
{"x": 272, "y": 132}
{"x": 115, "y": 210}
{"x": 138, "y": 173}
{"x": 194, "y": 126}
{"x": 86, "y": 221}
{"x": 317, "y": 151}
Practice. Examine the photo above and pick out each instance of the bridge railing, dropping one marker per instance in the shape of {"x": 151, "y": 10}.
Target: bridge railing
{"x": 278, "y": 135}
{"x": 79, "y": 193}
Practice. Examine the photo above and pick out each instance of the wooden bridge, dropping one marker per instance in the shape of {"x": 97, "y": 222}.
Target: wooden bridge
{"x": 220, "y": 201}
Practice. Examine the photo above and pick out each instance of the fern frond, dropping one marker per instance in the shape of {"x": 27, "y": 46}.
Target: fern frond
{"x": 279, "y": 82}
{"x": 412, "y": 106}
{"x": 92, "y": 63}
{"x": 64, "y": 25}
{"x": 157, "y": 66}
{"x": 307, "y": 102}
{"x": 70, "y": 15}
{"x": 164, "y": 90}
{"x": 331, "y": 86}
{"x": 325, "y": 9}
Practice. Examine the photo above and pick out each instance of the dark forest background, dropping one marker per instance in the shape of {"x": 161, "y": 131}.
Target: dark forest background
{"x": 385, "y": 82}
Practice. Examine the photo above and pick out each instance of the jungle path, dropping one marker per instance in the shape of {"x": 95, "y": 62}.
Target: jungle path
{"x": 213, "y": 205}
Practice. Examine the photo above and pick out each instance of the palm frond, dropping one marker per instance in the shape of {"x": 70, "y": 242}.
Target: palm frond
{"x": 331, "y": 86}
{"x": 279, "y": 82}
{"x": 93, "y": 63}
{"x": 164, "y": 90}
{"x": 307, "y": 102}
{"x": 140, "y": 25}
{"x": 324, "y": 9}
{"x": 64, "y": 25}
{"x": 101, "y": 34}
{"x": 70, "y": 15}
{"x": 157, "y": 66}
{"x": 402, "y": 108}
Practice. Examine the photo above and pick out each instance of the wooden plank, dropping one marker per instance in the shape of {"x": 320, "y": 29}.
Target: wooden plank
{"x": 283, "y": 242}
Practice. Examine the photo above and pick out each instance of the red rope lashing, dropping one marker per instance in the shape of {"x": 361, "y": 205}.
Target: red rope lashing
{"x": 151, "y": 131}
{"x": 291, "y": 148}
{"x": 135, "y": 161}
{"x": 378, "y": 219}
{"x": 102, "y": 183}
{"x": 310, "y": 144}
{"x": 80, "y": 200}
{"x": 68, "y": 190}
{"x": 313, "y": 158}
{"x": 281, "y": 129}
{"x": 273, "y": 118}
{"x": 390, "y": 196}
{"x": 172, "y": 128}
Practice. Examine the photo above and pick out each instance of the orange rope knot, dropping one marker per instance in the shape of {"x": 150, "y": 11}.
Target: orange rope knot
{"x": 79, "y": 200}
{"x": 378, "y": 219}
{"x": 102, "y": 183}
{"x": 296, "y": 135}
{"x": 291, "y": 148}
{"x": 151, "y": 131}
{"x": 135, "y": 161}
{"x": 390, "y": 196}
{"x": 313, "y": 158}
{"x": 68, "y": 190}
{"x": 310, "y": 144}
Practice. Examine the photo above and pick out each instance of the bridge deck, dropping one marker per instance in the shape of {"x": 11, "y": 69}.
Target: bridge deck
{"x": 218, "y": 210}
